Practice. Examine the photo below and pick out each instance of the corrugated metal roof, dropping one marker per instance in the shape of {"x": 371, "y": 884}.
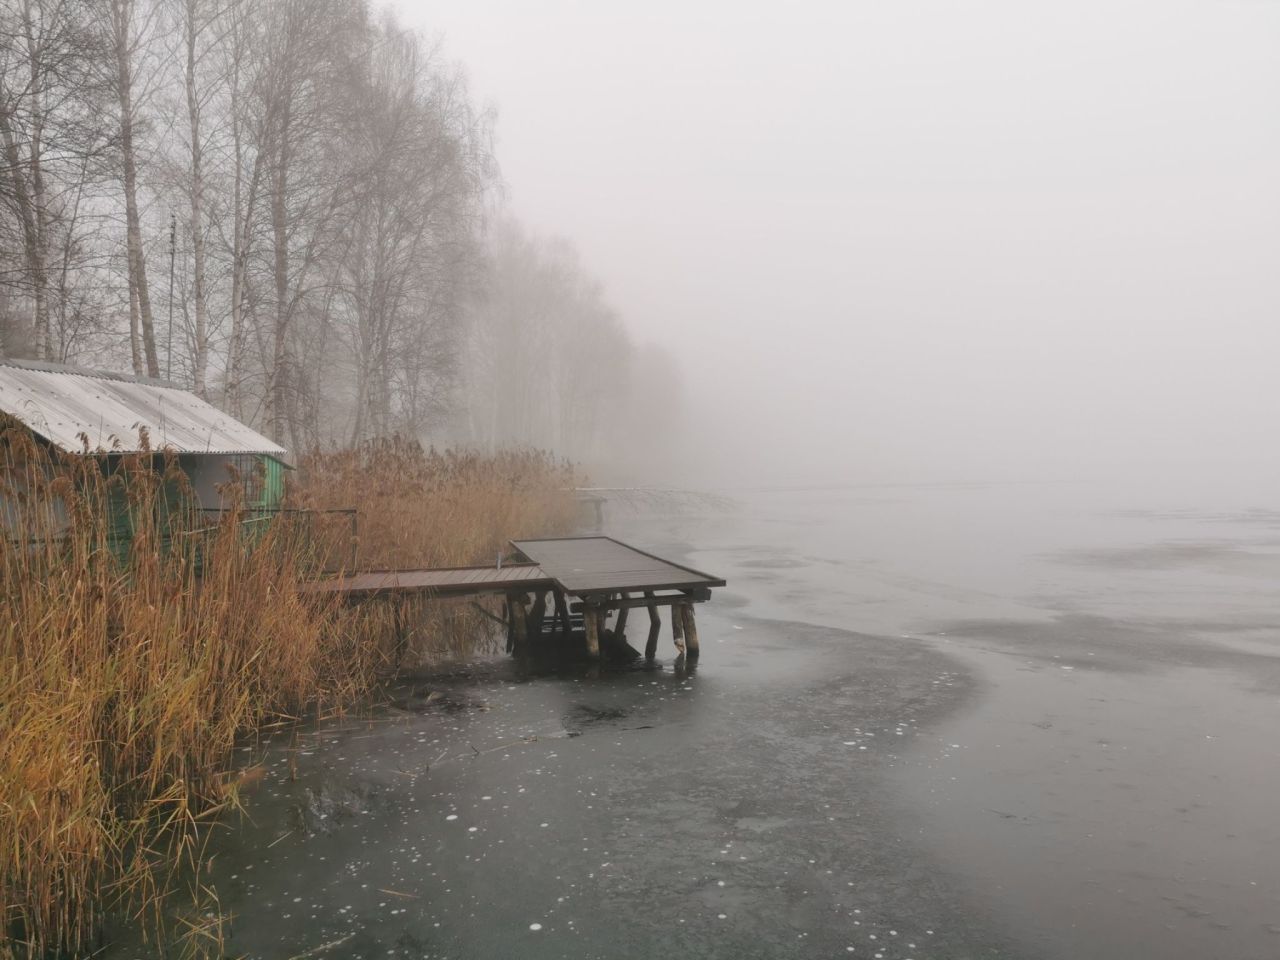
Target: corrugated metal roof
{"x": 62, "y": 403}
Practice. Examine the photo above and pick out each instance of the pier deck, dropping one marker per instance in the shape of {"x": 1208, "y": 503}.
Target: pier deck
{"x": 590, "y": 566}
{"x": 606, "y": 577}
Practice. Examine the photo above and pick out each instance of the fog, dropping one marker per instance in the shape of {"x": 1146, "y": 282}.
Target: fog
{"x": 915, "y": 241}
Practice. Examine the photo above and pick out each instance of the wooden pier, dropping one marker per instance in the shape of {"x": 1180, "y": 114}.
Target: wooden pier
{"x": 561, "y": 589}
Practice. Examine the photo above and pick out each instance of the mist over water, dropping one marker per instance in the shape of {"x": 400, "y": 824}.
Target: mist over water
{"x": 916, "y": 241}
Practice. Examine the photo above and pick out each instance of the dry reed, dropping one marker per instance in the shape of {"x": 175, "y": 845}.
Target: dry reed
{"x": 421, "y": 507}
{"x": 128, "y": 670}
{"x": 428, "y": 508}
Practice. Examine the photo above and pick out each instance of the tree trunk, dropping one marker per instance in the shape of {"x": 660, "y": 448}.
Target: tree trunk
{"x": 242, "y": 217}
{"x": 40, "y": 253}
{"x": 235, "y": 349}
{"x": 32, "y": 243}
{"x": 135, "y": 339}
{"x": 35, "y": 229}
{"x": 200, "y": 361}
{"x": 362, "y": 393}
{"x": 122, "y": 17}
{"x": 280, "y": 263}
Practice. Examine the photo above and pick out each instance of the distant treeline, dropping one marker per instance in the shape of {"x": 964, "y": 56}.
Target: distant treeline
{"x": 317, "y": 187}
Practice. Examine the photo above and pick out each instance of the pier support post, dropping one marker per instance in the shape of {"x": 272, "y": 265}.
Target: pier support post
{"x": 690, "y": 630}
{"x": 591, "y": 623}
{"x": 620, "y": 627}
{"x": 517, "y": 623}
{"x": 562, "y": 614}
{"x": 677, "y": 627}
{"x": 655, "y": 624}
{"x": 537, "y": 616}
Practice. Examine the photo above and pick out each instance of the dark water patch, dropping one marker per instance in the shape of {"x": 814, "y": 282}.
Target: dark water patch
{"x": 423, "y": 699}
{"x": 1096, "y": 643}
{"x": 326, "y": 808}
{"x": 828, "y": 561}
{"x": 1261, "y": 559}
{"x": 1256, "y": 516}
{"x": 773, "y": 561}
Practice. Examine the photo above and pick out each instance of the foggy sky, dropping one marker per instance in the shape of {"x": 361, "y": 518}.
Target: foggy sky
{"x": 916, "y": 241}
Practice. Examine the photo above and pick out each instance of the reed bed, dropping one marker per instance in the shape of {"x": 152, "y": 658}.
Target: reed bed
{"x": 428, "y": 508}
{"x": 129, "y": 669}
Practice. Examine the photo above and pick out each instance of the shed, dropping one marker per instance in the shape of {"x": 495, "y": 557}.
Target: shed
{"x": 90, "y": 412}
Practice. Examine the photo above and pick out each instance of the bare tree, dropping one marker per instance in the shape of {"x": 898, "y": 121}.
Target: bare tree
{"x": 301, "y": 93}
{"x": 126, "y": 30}
{"x": 193, "y": 25}
{"x": 408, "y": 252}
{"x": 332, "y": 277}
{"x": 235, "y": 27}
{"x": 49, "y": 134}
{"x": 548, "y": 362}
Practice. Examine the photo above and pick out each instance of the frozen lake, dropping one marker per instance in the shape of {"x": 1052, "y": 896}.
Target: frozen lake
{"x": 929, "y": 722}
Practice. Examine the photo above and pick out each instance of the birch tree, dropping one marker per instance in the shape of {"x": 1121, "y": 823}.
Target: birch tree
{"x": 549, "y": 363}
{"x": 51, "y": 138}
{"x": 408, "y": 251}
{"x": 127, "y": 23}
{"x": 332, "y": 177}
{"x": 194, "y": 25}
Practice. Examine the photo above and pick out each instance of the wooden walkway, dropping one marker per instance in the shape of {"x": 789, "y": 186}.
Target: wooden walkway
{"x": 442, "y": 581}
{"x": 605, "y": 577}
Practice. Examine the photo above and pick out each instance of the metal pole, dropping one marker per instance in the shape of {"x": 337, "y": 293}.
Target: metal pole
{"x": 173, "y": 245}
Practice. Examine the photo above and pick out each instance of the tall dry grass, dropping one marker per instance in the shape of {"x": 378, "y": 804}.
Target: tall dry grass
{"x": 127, "y": 674}
{"x": 426, "y": 508}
